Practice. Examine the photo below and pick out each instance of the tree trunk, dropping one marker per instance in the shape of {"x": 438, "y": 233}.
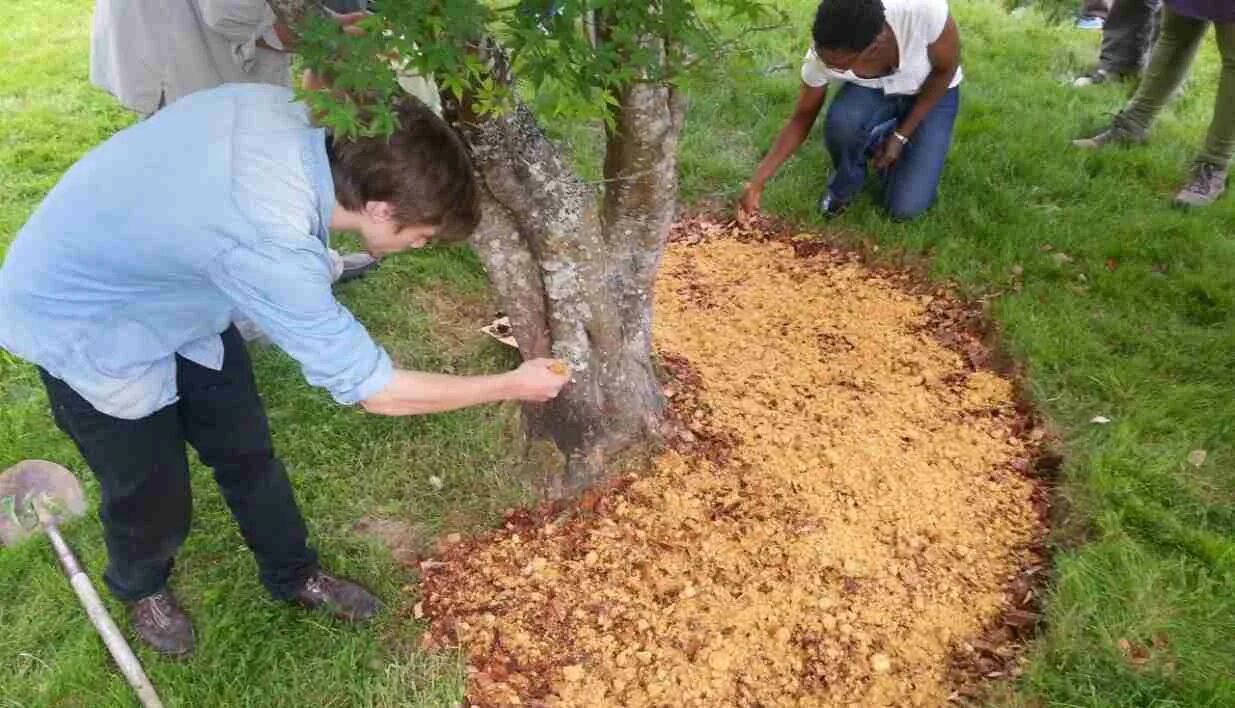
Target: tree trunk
{"x": 578, "y": 284}
{"x": 574, "y": 267}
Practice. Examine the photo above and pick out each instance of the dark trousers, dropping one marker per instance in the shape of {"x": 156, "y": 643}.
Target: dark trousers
{"x": 143, "y": 475}
{"x": 1129, "y": 32}
{"x": 860, "y": 119}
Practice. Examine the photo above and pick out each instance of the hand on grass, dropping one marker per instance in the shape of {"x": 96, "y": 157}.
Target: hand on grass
{"x": 748, "y": 205}
{"x": 539, "y": 380}
{"x": 888, "y": 153}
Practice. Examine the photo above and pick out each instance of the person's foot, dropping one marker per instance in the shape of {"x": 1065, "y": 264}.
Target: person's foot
{"x": 356, "y": 265}
{"x": 1120, "y": 133}
{"x": 1208, "y": 182}
{"x": 1090, "y": 23}
{"x": 159, "y": 622}
{"x": 830, "y": 207}
{"x": 1095, "y": 77}
{"x": 340, "y": 598}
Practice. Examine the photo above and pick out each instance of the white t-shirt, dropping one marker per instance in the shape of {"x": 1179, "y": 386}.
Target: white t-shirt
{"x": 916, "y": 24}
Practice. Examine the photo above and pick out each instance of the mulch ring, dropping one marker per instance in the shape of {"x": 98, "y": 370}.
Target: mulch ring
{"x": 850, "y": 513}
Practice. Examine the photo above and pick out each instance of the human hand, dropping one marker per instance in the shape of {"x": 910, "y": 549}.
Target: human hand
{"x": 539, "y": 380}
{"x": 348, "y": 22}
{"x": 888, "y": 153}
{"x": 748, "y": 205}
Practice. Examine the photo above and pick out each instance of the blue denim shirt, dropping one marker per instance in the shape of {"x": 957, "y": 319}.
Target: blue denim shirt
{"x": 150, "y": 245}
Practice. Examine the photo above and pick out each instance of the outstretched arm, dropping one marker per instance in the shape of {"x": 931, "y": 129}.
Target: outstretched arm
{"x": 791, "y": 137}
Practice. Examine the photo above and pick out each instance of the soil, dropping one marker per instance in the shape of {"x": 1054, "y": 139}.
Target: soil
{"x": 848, "y": 515}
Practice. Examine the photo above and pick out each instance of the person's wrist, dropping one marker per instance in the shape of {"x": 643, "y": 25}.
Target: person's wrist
{"x": 510, "y": 385}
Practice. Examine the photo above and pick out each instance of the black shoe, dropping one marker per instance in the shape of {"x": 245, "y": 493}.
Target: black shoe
{"x": 158, "y": 621}
{"x": 830, "y": 207}
{"x": 340, "y": 598}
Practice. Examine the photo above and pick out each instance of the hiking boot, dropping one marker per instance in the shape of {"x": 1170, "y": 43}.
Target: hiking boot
{"x": 159, "y": 622}
{"x": 340, "y": 598}
{"x": 1121, "y": 132}
{"x": 830, "y": 207}
{"x": 1208, "y": 182}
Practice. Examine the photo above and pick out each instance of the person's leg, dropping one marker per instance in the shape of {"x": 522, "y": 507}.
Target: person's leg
{"x": 1126, "y": 36}
{"x": 143, "y": 475}
{"x": 854, "y": 114}
{"x": 1169, "y": 62}
{"x": 145, "y": 505}
{"x": 913, "y": 182}
{"x": 1220, "y": 142}
{"x": 1207, "y": 181}
{"x": 224, "y": 420}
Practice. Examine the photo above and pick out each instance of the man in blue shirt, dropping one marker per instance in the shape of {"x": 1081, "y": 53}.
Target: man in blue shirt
{"x": 122, "y": 286}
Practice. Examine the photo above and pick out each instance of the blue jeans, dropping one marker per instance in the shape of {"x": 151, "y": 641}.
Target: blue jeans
{"x": 858, "y": 122}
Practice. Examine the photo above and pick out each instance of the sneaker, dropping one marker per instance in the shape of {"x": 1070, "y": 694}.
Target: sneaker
{"x": 339, "y": 598}
{"x": 1090, "y": 23}
{"x": 1093, "y": 78}
{"x": 1208, "y": 182}
{"x": 830, "y": 207}
{"x": 1121, "y": 132}
{"x": 356, "y": 266}
{"x": 159, "y": 622}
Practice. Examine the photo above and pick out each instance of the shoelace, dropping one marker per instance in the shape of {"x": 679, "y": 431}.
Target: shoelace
{"x": 314, "y": 585}
{"x": 160, "y": 610}
{"x": 1202, "y": 178}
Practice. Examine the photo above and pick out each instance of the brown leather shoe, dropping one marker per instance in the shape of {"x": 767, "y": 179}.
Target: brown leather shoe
{"x": 340, "y": 598}
{"x": 158, "y": 621}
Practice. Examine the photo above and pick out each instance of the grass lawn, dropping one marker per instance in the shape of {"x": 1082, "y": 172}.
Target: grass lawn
{"x": 1134, "y": 321}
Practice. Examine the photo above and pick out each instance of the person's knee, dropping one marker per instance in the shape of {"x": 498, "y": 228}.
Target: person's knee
{"x": 908, "y": 208}
{"x": 846, "y": 125}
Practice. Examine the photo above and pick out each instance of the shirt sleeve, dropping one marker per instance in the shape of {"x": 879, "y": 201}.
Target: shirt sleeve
{"x": 241, "y": 22}
{"x": 932, "y": 18}
{"x": 814, "y": 74}
{"x": 284, "y": 287}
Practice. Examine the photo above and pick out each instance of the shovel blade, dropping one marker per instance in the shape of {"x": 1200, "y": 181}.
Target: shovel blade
{"x": 22, "y": 484}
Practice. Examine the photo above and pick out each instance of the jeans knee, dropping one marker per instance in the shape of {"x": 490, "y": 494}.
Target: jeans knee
{"x": 845, "y": 126}
{"x": 908, "y": 209}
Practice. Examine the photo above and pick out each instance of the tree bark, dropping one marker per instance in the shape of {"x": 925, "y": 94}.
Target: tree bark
{"x": 558, "y": 267}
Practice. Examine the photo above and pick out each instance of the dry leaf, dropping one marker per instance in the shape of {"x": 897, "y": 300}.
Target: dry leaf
{"x": 1196, "y": 458}
{"x": 436, "y": 482}
{"x": 1100, "y": 420}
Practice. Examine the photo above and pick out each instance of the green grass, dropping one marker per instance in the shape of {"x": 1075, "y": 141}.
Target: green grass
{"x": 1136, "y": 326}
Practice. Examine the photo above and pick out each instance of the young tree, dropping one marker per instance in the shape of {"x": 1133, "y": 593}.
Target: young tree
{"x": 573, "y": 263}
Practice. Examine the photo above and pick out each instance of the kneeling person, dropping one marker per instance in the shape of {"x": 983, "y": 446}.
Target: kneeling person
{"x": 897, "y": 66}
{"x": 122, "y": 286}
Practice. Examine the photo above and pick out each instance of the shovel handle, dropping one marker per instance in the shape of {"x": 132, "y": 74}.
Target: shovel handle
{"x": 102, "y": 621}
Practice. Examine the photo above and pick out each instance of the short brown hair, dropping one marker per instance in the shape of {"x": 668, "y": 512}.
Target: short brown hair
{"x": 423, "y": 169}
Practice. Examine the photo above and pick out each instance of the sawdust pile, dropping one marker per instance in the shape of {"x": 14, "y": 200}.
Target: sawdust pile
{"x": 843, "y": 512}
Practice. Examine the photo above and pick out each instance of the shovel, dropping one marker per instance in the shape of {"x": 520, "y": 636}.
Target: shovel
{"x": 38, "y": 496}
